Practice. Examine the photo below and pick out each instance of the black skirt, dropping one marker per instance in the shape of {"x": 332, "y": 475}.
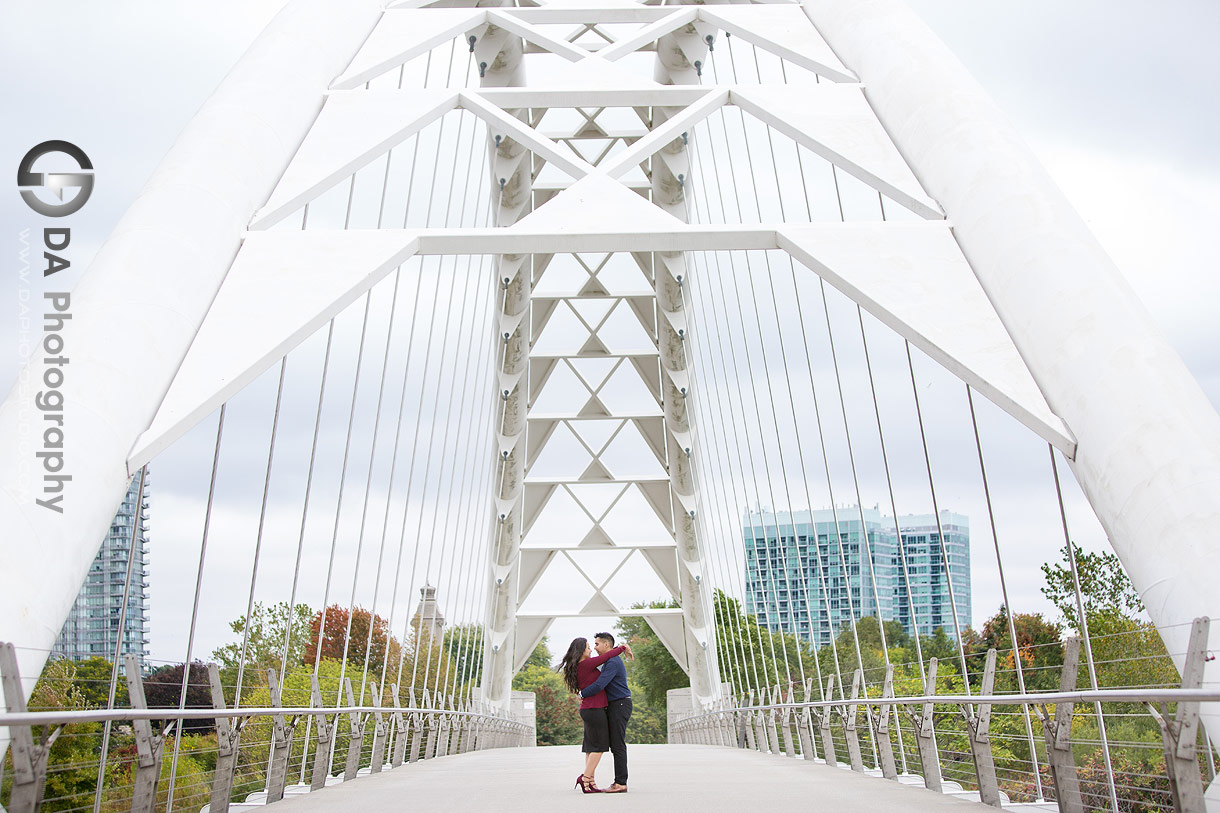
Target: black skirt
{"x": 597, "y": 730}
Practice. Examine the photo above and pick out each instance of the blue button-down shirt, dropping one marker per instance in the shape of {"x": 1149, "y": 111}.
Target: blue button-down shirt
{"x": 613, "y": 679}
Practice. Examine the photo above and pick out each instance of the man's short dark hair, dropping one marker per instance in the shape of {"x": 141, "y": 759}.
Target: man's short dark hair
{"x": 605, "y": 636}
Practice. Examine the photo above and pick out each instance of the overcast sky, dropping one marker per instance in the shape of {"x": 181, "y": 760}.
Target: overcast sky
{"x": 1116, "y": 97}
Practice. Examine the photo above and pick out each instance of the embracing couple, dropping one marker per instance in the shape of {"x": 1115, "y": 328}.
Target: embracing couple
{"x": 605, "y": 705}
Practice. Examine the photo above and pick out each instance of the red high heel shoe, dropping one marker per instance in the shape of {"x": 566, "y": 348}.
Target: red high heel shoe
{"x": 586, "y": 785}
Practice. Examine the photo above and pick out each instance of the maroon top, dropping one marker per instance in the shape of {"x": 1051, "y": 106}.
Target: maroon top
{"x": 586, "y": 675}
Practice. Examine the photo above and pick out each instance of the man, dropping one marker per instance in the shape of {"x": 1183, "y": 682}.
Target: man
{"x": 614, "y": 680}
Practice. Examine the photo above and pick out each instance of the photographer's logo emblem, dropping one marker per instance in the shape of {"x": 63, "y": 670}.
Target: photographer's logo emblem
{"x": 29, "y": 181}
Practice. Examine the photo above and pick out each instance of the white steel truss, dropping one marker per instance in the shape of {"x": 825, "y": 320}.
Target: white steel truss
{"x": 609, "y": 185}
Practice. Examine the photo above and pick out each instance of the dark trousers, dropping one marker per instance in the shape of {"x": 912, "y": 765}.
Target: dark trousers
{"x": 620, "y": 713}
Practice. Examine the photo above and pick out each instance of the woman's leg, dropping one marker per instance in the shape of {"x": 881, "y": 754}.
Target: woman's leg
{"x": 591, "y": 761}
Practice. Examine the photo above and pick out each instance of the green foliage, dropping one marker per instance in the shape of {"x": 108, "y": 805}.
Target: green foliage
{"x": 93, "y": 680}
{"x": 265, "y": 647}
{"x": 649, "y": 723}
{"x": 463, "y": 644}
{"x": 655, "y": 671}
{"x": 541, "y": 656}
{"x": 1038, "y": 645}
{"x": 1104, "y": 586}
{"x": 557, "y": 709}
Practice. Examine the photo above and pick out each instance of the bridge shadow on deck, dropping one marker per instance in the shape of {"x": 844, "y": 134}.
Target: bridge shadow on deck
{"x": 664, "y": 779}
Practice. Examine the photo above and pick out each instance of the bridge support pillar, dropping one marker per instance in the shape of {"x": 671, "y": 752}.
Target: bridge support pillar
{"x": 1058, "y": 732}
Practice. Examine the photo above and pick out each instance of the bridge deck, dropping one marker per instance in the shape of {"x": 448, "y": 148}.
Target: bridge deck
{"x": 664, "y": 778}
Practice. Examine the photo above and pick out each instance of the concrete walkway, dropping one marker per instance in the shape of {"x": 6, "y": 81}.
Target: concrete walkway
{"x": 664, "y": 779}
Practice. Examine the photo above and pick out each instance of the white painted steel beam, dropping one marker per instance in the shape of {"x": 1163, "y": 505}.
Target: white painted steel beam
{"x": 194, "y": 209}
{"x": 1148, "y": 440}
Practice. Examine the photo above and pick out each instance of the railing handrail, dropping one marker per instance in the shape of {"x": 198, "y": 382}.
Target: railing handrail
{"x": 69, "y": 716}
{"x": 1082, "y": 696}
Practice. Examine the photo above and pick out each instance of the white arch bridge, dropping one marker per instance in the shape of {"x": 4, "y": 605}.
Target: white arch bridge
{"x": 573, "y": 313}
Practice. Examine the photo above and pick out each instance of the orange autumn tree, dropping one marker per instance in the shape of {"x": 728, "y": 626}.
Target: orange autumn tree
{"x": 380, "y": 645}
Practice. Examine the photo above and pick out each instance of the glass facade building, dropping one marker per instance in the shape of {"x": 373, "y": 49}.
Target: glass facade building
{"x": 92, "y": 627}
{"x": 809, "y": 573}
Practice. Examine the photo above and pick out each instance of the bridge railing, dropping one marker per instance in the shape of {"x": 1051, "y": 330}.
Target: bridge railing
{"x": 255, "y": 754}
{"x": 961, "y": 742}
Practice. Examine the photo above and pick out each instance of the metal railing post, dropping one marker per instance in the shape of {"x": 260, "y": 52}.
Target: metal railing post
{"x": 417, "y": 727}
{"x": 925, "y": 734}
{"x": 881, "y": 727}
{"x": 29, "y": 760}
{"x": 828, "y": 741}
{"x": 1180, "y": 734}
{"x": 769, "y": 716}
{"x": 355, "y": 739}
{"x": 977, "y": 727}
{"x": 281, "y": 743}
{"x": 228, "y": 737}
{"x": 148, "y": 747}
{"x": 326, "y": 732}
{"x": 381, "y": 730}
{"x": 400, "y": 731}
{"x": 786, "y": 723}
{"x": 848, "y": 713}
{"x": 804, "y": 725}
{"x": 1058, "y": 733}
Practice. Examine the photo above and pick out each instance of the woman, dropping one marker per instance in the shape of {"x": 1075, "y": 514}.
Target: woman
{"x": 579, "y": 668}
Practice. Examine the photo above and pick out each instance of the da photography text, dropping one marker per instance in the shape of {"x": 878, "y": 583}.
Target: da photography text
{"x": 43, "y": 192}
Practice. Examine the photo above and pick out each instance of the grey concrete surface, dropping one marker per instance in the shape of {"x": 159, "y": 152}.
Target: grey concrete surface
{"x": 664, "y": 779}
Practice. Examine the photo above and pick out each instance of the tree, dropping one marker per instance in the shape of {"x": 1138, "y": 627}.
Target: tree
{"x": 463, "y": 644}
{"x": 265, "y": 645}
{"x": 1104, "y": 586}
{"x": 655, "y": 671}
{"x": 379, "y": 644}
{"x": 1038, "y": 643}
{"x": 92, "y": 679}
{"x": 163, "y": 690}
{"x": 72, "y": 763}
{"x": 556, "y": 709}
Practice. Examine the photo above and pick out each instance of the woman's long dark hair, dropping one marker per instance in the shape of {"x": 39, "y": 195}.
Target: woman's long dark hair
{"x": 567, "y": 666}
